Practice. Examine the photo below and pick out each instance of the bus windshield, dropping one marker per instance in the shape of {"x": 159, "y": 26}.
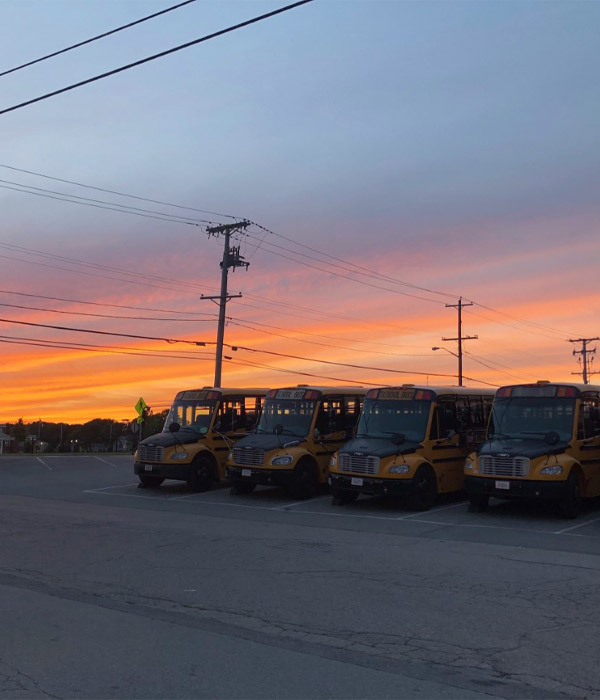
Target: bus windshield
{"x": 191, "y": 415}
{"x": 293, "y": 415}
{"x": 382, "y": 419}
{"x": 532, "y": 417}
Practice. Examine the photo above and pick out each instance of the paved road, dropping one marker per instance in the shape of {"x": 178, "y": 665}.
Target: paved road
{"x": 110, "y": 591}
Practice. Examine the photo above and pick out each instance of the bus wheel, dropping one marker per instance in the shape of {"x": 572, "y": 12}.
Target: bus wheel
{"x": 339, "y": 497}
{"x": 304, "y": 480}
{"x": 201, "y": 474}
{"x": 149, "y": 482}
{"x": 424, "y": 489}
{"x": 478, "y": 503}
{"x": 240, "y": 487}
{"x": 569, "y": 506}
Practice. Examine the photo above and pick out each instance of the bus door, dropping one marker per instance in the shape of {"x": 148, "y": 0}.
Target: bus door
{"x": 447, "y": 455}
{"x": 587, "y": 446}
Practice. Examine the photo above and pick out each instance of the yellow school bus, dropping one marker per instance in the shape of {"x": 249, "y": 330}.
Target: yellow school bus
{"x": 543, "y": 443}
{"x": 411, "y": 442}
{"x": 299, "y": 429}
{"x": 199, "y": 431}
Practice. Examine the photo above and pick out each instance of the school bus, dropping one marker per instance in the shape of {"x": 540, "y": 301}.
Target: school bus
{"x": 199, "y": 431}
{"x": 411, "y": 442}
{"x": 543, "y": 443}
{"x": 299, "y": 429}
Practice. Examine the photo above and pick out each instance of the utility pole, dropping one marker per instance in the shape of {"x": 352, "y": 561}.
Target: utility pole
{"x": 231, "y": 258}
{"x": 584, "y": 352}
{"x": 460, "y": 337}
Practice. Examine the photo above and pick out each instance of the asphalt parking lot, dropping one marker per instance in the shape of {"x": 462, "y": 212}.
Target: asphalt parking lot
{"x": 113, "y": 591}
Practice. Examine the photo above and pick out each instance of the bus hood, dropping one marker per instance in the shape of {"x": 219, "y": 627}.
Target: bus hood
{"x": 521, "y": 447}
{"x": 268, "y": 441}
{"x": 378, "y": 447}
{"x": 182, "y": 437}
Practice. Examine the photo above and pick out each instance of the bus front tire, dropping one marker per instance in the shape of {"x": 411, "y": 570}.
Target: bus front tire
{"x": 569, "y": 505}
{"x": 339, "y": 497}
{"x": 149, "y": 482}
{"x": 201, "y": 475}
{"x": 304, "y": 480}
{"x": 478, "y": 504}
{"x": 424, "y": 489}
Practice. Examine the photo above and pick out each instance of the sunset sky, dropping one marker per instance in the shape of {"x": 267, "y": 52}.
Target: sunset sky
{"x": 393, "y": 156}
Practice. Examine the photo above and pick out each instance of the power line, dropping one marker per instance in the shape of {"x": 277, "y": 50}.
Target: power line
{"x": 83, "y": 313}
{"x": 140, "y": 352}
{"x": 95, "y": 38}
{"x": 120, "y": 194}
{"x": 98, "y": 303}
{"x": 221, "y": 32}
{"x": 96, "y": 332}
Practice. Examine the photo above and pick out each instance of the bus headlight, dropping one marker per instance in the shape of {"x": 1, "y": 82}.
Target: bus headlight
{"x": 553, "y": 470}
{"x": 332, "y": 461}
{"x": 179, "y": 455}
{"x": 469, "y": 465}
{"x": 281, "y": 461}
{"x": 230, "y": 457}
{"x": 399, "y": 469}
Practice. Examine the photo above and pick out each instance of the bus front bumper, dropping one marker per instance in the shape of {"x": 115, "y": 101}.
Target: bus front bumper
{"x": 515, "y": 488}
{"x": 263, "y": 477}
{"x": 370, "y": 486}
{"x": 162, "y": 470}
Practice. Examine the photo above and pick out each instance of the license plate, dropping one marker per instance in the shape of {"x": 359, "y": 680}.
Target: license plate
{"x": 504, "y": 485}
{"x": 356, "y": 481}
{"x": 246, "y": 472}
{"x": 147, "y": 467}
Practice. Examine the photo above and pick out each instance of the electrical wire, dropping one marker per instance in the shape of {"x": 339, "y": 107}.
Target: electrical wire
{"x": 140, "y": 62}
{"x": 83, "y": 313}
{"x": 95, "y": 38}
{"x": 90, "y": 348}
{"x": 120, "y": 194}
{"x": 98, "y": 303}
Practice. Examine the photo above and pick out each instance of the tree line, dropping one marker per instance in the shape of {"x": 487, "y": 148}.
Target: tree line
{"x": 97, "y": 435}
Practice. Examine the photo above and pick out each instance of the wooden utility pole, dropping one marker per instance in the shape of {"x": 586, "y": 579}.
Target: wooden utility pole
{"x": 584, "y": 352}
{"x": 231, "y": 258}
{"x": 460, "y": 337}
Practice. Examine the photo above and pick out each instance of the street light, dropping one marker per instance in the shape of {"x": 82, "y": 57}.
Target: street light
{"x": 435, "y": 347}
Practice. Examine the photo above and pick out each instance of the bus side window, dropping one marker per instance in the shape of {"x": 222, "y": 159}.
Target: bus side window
{"x": 351, "y": 413}
{"x": 333, "y": 420}
{"x": 434, "y": 432}
{"x": 447, "y": 417}
{"x": 588, "y": 421}
{"x": 251, "y": 412}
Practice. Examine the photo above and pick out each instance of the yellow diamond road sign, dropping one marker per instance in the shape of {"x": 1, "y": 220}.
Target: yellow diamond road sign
{"x": 140, "y": 406}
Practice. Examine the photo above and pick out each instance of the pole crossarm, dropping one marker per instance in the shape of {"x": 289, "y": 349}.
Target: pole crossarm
{"x": 460, "y": 337}
{"x": 584, "y": 352}
{"x": 231, "y": 259}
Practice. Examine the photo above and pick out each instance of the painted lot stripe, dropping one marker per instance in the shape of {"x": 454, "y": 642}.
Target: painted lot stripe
{"x": 574, "y": 527}
{"x": 412, "y": 517}
{"x": 112, "y": 464}
{"x": 299, "y": 503}
{"x": 44, "y": 463}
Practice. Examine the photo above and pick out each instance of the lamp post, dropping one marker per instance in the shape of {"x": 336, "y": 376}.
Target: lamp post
{"x": 435, "y": 347}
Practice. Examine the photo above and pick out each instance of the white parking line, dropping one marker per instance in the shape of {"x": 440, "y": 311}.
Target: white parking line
{"x": 285, "y": 506}
{"x": 433, "y": 510}
{"x": 574, "y": 527}
{"x": 105, "y": 488}
{"x": 106, "y": 461}
{"x": 44, "y": 463}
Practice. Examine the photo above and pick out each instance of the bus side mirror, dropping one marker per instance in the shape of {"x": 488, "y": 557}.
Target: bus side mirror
{"x": 278, "y": 429}
{"x": 551, "y": 437}
{"x": 174, "y": 427}
{"x": 450, "y": 434}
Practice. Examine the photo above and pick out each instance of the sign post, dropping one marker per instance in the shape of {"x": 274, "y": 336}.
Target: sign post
{"x": 141, "y": 409}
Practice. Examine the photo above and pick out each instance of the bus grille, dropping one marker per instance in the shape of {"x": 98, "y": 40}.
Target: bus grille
{"x": 503, "y": 466}
{"x": 359, "y": 464}
{"x": 151, "y": 453}
{"x": 248, "y": 457}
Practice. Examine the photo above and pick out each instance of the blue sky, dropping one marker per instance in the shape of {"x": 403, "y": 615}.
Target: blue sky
{"x": 454, "y": 145}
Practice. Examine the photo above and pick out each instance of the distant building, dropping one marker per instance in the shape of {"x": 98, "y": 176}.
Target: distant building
{"x": 4, "y": 438}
